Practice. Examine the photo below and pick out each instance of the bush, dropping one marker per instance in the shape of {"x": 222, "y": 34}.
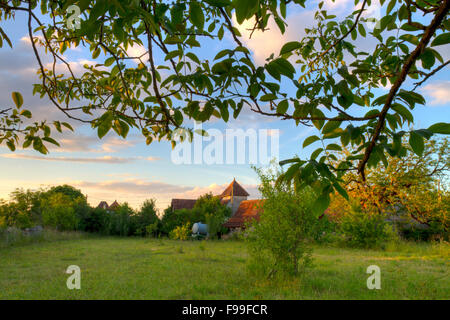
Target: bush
{"x": 172, "y": 219}
{"x": 95, "y": 221}
{"x": 366, "y": 230}
{"x": 152, "y": 229}
{"x": 278, "y": 243}
{"x": 146, "y": 221}
{"x": 120, "y": 221}
{"x": 181, "y": 232}
{"x": 324, "y": 231}
{"x": 58, "y": 212}
{"x": 206, "y": 207}
{"x": 215, "y": 221}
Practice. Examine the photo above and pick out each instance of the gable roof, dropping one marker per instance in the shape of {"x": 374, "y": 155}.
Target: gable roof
{"x": 234, "y": 189}
{"x": 103, "y": 205}
{"x": 114, "y": 205}
{"x": 248, "y": 210}
{"x": 182, "y": 204}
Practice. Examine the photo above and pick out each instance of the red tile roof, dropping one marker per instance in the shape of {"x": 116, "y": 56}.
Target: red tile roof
{"x": 103, "y": 205}
{"x": 183, "y": 204}
{"x": 248, "y": 210}
{"x": 114, "y": 205}
{"x": 234, "y": 189}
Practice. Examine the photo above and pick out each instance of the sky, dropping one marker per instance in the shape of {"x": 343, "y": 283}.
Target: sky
{"x": 128, "y": 170}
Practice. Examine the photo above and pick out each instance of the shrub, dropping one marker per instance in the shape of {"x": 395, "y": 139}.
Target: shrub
{"x": 146, "y": 220}
{"x": 324, "y": 231}
{"x": 366, "y": 230}
{"x": 172, "y": 219}
{"x": 215, "y": 221}
{"x": 14, "y": 215}
{"x": 120, "y": 221}
{"x": 205, "y": 205}
{"x": 58, "y": 212}
{"x": 152, "y": 229}
{"x": 181, "y": 232}
{"x": 279, "y": 241}
{"x": 95, "y": 221}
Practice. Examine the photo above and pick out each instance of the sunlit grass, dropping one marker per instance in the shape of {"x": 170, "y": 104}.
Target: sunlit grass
{"x": 137, "y": 268}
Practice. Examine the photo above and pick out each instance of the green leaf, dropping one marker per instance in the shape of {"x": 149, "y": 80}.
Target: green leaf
{"x": 341, "y": 190}
{"x": 109, "y": 61}
{"x": 218, "y": 3}
{"x": 361, "y": 30}
{"x": 104, "y": 126}
{"x": 282, "y": 66}
{"x": 441, "y": 39}
{"x": 440, "y": 127}
{"x": 68, "y": 126}
{"x": 428, "y": 58}
{"x": 124, "y": 128}
{"x": 416, "y": 142}
{"x": 11, "y": 145}
{"x": 403, "y": 111}
{"x": 282, "y": 107}
{"x": 196, "y": 15}
{"x": 294, "y": 169}
{"x": 245, "y": 9}
{"x": 330, "y": 126}
{"x": 268, "y": 97}
{"x": 390, "y": 6}
{"x": 334, "y": 147}
{"x": 51, "y": 140}
{"x": 293, "y": 160}
{"x": 322, "y": 203}
{"x": 290, "y": 46}
{"x": 17, "y": 98}
{"x": 316, "y": 153}
{"x": 96, "y": 53}
{"x": 26, "y": 113}
{"x": 310, "y": 140}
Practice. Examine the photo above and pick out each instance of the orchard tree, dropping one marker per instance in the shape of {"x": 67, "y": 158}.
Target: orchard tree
{"x": 335, "y": 81}
{"x": 413, "y": 187}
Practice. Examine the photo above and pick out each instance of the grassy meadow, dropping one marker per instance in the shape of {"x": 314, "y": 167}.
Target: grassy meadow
{"x": 144, "y": 268}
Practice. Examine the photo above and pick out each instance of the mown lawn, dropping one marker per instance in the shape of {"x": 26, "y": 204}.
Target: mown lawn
{"x": 136, "y": 268}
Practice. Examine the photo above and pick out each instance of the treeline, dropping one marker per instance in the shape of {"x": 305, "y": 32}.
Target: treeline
{"x": 65, "y": 208}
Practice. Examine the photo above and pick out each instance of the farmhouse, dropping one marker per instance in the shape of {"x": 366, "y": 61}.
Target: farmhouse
{"x": 235, "y": 197}
{"x": 104, "y": 205}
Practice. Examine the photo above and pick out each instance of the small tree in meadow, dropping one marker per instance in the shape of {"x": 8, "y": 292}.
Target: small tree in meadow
{"x": 146, "y": 220}
{"x": 58, "y": 212}
{"x": 278, "y": 242}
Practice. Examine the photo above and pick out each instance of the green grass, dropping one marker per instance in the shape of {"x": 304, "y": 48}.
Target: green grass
{"x": 137, "y": 268}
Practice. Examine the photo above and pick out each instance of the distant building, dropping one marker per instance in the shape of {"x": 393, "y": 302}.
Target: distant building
{"x": 247, "y": 211}
{"x": 114, "y": 206}
{"x": 234, "y": 197}
{"x": 104, "y": 205}
{"x": 178, "y": 204}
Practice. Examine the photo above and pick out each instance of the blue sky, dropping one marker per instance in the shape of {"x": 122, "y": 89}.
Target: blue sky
{"x": 128, "y": 170}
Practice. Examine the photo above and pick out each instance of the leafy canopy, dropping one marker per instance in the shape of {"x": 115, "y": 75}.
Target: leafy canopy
{"x": 334, "y": 79}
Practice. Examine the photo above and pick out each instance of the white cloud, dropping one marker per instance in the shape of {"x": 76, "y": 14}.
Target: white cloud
{"x": 439, "y": 92}
{"x": 263, "y": 44}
